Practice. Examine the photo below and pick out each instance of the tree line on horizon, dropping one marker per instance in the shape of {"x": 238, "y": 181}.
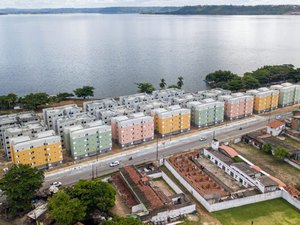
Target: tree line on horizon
{"x": 34, "y": 100}
{"x": 261, "y": 77}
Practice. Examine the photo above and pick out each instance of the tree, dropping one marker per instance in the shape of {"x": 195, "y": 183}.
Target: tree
{"x": 123, "y": 221}
{"x": 84, "y": 92}
{"x": 33, "y": 100}
{"x": 66, "y": 210}
{"x": 162, "y": 84}
{"x": 63, "y": 96}
{"x": 234, "y": 85}
{"x": 94, "y": 194}
{"x": 145, "y": 87}
{"x": 8, "y": 101}
{"x": 173, "y": 86}
{"x": 20, "y": 184}
{"x": 267, "y": 148}
{"x": 220, "y": 76}
{"x": 281, "y": 153}
{"x": 250, "y": 82}
{"x": 180, "y": 82}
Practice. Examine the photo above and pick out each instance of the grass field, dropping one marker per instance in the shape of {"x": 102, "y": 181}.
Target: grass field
{"x": 273, "y": 212}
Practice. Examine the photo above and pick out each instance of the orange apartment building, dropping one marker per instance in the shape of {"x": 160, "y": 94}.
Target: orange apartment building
{"x": 265, "y": 99}
{"x": 132, "y": 129}
{"x": 171, "y": 120}
{"x": 42, "y": 151}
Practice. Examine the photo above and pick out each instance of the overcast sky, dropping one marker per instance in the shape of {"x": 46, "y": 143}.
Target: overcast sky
{"x": 105, "y": 3}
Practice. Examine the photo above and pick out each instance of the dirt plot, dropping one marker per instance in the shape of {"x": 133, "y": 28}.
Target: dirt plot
{"x": 120, "y": 209}
{"x": 268, "y": 163}
{"x": 164, "y": 187}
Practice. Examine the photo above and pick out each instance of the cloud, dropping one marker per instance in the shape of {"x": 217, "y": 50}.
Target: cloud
{"x": 105, "y": 3}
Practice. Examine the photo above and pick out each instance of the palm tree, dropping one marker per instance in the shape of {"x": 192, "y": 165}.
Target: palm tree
{"x": 162, "y": 83}
{"x": 180, "y": 82}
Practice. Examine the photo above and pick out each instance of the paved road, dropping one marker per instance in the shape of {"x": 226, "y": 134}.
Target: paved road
{"x": 95, "y": 168}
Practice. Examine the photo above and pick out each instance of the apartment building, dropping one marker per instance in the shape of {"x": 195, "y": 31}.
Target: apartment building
{"x": 42, "y": 151}
{"x": 289, "y": 94}
{"x": 107, "y": 114}
{"x": 213, "y": 93}
{"x": 265, "y": 99}
{"x": 87, "y": 140}
{"x": 147, "y": 107}
{"x": 13, "y": 120}
{"x": 171, "y": 120}
{"x": 166, "y": 94}
{"x": 93, "y": 106}
{"x": 30, "y": 129}
{"x": 133, "y": 100}
{"x": 183, "y": 100}
{"x": 237, "y": 105}
{"x": 133, "y": 129}
{"x": 206, "y": 112}
{"x": 69, "y": 121}
{"x": 52, "y": 114}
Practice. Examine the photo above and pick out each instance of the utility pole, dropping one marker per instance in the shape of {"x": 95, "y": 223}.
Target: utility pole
{"x": 93, "y": 177}
{"x": 157, "y": 147}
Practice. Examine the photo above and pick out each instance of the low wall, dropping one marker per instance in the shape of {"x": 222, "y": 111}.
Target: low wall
{"x": 171, "y": 183}
{"x": 222, "y": 205}
{"x": 293, "y": 201}
{"x": 292, "y": 163}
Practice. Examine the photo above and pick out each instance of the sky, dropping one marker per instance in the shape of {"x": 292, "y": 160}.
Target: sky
{"x": 108, "y": 3}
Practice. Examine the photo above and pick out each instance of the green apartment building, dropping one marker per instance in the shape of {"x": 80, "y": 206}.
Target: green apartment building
{"x": 289, "y": 94}
{"x": 87, "y": 140}
{"x": 206, "y": 112}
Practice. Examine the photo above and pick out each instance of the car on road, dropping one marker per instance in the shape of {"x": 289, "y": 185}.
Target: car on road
{"x": 202, "y": 139}
{"x": 115, "y": 163}
{"x": 56, "y": 184}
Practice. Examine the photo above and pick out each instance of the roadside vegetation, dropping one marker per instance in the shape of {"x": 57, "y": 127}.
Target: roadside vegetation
{"x": 20, "y": 184}
{"x": 264, "y": 76}
{"x": 276, "y": 211}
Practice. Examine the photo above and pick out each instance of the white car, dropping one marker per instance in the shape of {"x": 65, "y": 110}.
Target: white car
{"x": 56, "y": 184}
{"x": 115, "y": 163}
{"x": 202, "y": 139}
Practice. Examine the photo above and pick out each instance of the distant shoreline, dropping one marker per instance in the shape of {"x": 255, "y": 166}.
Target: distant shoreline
{"x": 221, "y": 10}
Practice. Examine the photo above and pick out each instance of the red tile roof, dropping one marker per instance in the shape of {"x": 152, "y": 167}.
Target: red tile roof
{"x": 275, "y": 124}
{"x": 256, "y": 168}
{"x": 230, "y": 151}
{"x": 279, "y": 182}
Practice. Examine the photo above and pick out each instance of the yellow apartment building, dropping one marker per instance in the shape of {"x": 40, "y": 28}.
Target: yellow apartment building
{"x": 264, "y": 100}
{"x": 171, "y": 120}
{"x": 42, "y": 151}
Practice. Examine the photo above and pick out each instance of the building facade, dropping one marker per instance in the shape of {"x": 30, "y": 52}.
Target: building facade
{"x": 207, "y": 112}
{"x": 289, "y": 94}
{"x": 171, "y": 120}
{"x": 42, "y": 151}
{"x": 30, "y": 130}
{"x": 51, "y": 115}
{"x": 133, "y": 129}
{"x": 87, "y": 140}
{"x": 265, "y": 99}
{"x": 237, "y": 105}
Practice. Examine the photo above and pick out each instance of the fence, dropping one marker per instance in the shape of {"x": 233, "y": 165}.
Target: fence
{"x": 231, "y": 203}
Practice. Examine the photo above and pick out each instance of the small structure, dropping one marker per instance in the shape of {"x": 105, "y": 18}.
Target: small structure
{"x": 266, "y": 184}
{"x": 275, "y": 127}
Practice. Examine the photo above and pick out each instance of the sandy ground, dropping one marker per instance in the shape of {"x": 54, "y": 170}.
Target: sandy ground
{"x": 120, "y": 209}
{"x": 268, "y": 163}
{"x": 164, "y": 187}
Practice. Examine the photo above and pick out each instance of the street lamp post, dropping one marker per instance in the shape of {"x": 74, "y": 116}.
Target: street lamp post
{"x": 157, "y": 147}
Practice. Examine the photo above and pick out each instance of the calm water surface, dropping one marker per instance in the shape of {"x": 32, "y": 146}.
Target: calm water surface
{"x": 56, "y": 53}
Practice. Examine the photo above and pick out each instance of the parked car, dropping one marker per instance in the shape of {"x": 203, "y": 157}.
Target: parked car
{"x": 202, "y": 139}
{"x": 56, "y": 184}
{"x": 115, "y": 163}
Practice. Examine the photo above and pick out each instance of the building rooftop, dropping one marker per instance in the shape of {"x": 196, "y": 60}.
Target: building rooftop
{"x": 245, "y": 168}
{"x": 267, "y": 181}
{"x": 221, "y": 156}
{"x": 275, "y": 124}
{"x": 230, "y": 151}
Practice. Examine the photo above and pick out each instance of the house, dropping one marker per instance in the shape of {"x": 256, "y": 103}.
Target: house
{"x": 275, "y": 127}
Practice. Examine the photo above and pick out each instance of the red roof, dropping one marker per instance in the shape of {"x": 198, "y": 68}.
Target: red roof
{"x": 279, "y": 182}
{"x": 230, "y": 151}
{"x": 275, "y": 124}
{"x": 256, "y": 168}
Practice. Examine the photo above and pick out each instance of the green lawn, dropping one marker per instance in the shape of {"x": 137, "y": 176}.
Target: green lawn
{"x": 273, "y": 212}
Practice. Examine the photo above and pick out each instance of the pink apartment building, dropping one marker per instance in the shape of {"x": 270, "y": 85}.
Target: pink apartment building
{"x": 237, "y": 105}
{"x": 133, "y": 129}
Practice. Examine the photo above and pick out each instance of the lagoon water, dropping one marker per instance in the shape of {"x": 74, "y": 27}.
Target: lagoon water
{"x": 58, "y": 53}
